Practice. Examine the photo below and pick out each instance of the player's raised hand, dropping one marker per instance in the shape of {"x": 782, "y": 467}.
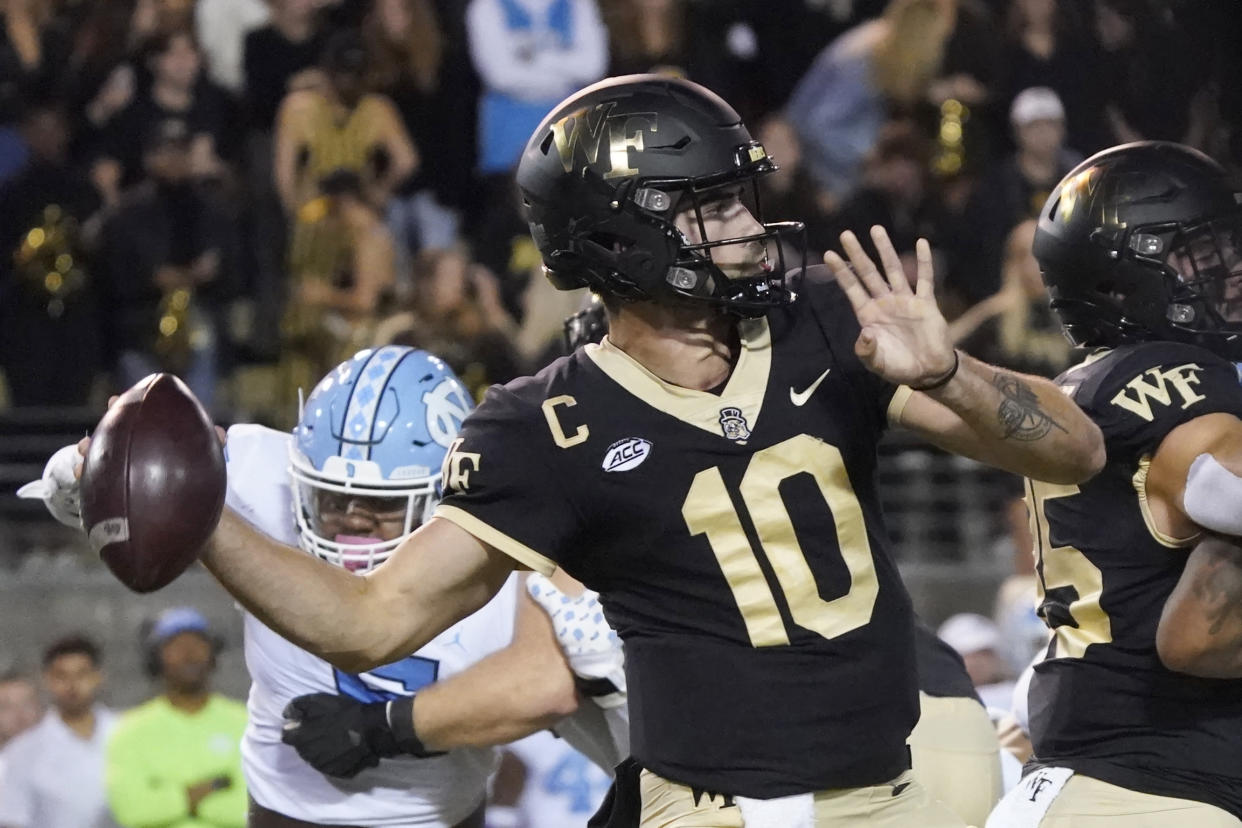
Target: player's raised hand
{"x": 904, "y": 336}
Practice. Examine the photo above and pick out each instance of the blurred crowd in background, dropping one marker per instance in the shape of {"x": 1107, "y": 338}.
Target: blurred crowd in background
{"x": 245, "y": 191}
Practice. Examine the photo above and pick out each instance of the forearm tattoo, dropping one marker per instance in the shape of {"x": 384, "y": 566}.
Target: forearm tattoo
{"x": 1218, "y": 586}
{"x": 1019, "y": 413}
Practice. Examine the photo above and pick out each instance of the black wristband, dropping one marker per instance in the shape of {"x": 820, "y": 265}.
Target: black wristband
{"x": 941, "y": 382}
{"x": 595, "y": 687}
{"x": 401, "y": 724}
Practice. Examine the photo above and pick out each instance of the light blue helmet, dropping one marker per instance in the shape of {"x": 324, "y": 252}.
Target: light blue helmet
{"x": 372, "y": 436}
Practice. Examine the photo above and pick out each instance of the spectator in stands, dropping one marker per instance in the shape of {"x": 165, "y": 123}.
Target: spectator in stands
{"x": 977, "y": 641}
{"x": 176, "y": 760}
{"x": 176, "y": 93}
{"x": 280, "y": 57}
{"x": 1149, "y": 81}
{"x": 895, "y": 192}
{"x": 49, "y": 342}
{"x": 417, "y": 64}
{"x": 1048, "y": 43}
{"x": 529, "y": 55}
{"x": 649, "y": 36}
{"x": 166, "y": 263}
{"x": 840, "y": 105}
{"x": 456, "y": 313}
{"x": 1015, "y": 328}
{"x": 1013, "y": 189}
{"x": 20, "y": 706}
{"x": 54, "y": 775}
{"x": 340, "y": 127}
{"x": 277, "y": 58}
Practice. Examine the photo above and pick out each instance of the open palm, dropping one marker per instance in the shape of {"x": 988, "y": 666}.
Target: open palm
{"x": 904, "y": 337}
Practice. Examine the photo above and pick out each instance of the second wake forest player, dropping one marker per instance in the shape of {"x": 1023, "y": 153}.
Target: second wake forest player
{"x": 1136, "y": 709}
{"x": 708, "y": 469}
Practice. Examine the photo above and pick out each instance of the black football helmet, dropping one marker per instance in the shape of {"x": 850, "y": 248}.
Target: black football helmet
{"x": 607, "y": 171}
{"x": 1144, "y": 242}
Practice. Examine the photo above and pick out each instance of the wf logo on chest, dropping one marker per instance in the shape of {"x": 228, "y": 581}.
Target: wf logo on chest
{"x": 1168, "y": 386}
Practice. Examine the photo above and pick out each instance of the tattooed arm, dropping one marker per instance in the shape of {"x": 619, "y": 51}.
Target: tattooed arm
{"x": 1200, "y": 631}
{"x": 1019, "y": 423}
{"x": 1016, "y": 422}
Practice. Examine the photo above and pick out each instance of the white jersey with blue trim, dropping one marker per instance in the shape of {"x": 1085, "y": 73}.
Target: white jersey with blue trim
{"x": 437, "y": 792}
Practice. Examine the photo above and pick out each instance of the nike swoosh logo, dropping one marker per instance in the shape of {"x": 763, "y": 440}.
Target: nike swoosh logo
{"x": 800, "y": 397}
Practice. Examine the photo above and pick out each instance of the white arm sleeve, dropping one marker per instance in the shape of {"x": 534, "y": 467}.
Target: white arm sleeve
{"x": 1213, "y": 496}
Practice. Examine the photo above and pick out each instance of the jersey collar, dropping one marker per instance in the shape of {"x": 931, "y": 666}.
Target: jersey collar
{"x": 743, "y": 392}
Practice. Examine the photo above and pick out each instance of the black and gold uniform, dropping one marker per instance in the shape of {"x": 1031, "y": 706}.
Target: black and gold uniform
{"x": 736, "y": 540}
{"x": 1101, "y": 702}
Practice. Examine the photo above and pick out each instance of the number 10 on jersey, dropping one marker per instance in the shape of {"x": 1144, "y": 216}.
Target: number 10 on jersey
{"x": 708, "y": 510}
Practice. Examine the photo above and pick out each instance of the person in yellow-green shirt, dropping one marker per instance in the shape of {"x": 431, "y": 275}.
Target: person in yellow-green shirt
{"x": 175, "y": 761}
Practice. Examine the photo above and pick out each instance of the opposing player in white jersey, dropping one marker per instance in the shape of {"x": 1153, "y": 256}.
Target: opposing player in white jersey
{"x": 359, "y": 473}
{"x": 356, "y": 476}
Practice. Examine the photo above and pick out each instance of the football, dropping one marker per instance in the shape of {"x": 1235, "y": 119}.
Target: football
{"x": 153, "y": 483}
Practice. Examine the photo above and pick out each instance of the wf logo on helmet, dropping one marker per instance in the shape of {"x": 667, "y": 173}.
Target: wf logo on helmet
{"x": 583, "y": 130}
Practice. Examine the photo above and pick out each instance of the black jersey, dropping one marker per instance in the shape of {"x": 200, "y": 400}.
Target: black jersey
{"x": 1101, "y": 702}
{"x": 736, "y": 541}
{"x": 942, "y": 673}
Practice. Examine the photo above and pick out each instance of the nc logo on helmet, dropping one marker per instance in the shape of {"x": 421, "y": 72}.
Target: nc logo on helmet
{"x": 584, "y": 130}
{"x": 447, "y": 405}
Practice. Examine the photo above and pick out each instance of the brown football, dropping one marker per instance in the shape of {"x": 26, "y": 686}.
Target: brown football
{"x": 153, "y": 483}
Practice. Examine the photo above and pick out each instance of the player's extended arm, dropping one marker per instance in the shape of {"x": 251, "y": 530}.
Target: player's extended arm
{"x": 1019, "y": 423}
{"x": 1195, "y": 482}
{"x": 436, "y": 577}
{"x": 514, "y": 692}
{"x": 1016, "y": 422}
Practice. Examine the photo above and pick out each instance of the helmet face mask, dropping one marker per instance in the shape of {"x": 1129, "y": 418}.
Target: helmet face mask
{"x": 1143, "y": 242}
{"x": 367, "y": 451}
{"x": 633, "y": 218}
{"x": 1208, "y": 261}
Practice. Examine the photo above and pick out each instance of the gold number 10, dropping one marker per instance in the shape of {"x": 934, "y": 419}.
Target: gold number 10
{"x": 708, "y": 510}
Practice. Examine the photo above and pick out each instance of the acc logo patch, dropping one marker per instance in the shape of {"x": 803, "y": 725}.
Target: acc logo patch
{"x": 626, "y": 454}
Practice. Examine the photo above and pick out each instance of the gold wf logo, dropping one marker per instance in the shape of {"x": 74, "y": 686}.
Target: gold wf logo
{"x": 1156, "y": 385}
{"x": 455, "y": 473}
{"x": 582, "y": 132}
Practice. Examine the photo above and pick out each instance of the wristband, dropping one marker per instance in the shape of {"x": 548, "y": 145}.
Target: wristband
{"x": 941, "y": 382}
{"x": 401, "y": 722}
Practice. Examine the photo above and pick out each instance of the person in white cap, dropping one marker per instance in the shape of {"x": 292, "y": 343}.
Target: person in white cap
{"x": 1013, "y": 190}
{"x": 977, "y": 641}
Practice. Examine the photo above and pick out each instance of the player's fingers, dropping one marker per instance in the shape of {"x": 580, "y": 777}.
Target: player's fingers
{"x": 854, "y": 291}
{"x": 893, "y": 270}
{"x": 863, "y": 266}
{"x": 926, "y": 286}
{"x": 222, "y": 435}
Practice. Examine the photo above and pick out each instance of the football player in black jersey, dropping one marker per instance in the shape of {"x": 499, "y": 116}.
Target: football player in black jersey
{"x": 954, "y": 749}
{"x": 1136, "y": 708}
{"x": 708, "y": 469}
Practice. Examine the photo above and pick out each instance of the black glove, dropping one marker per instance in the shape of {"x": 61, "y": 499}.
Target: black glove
{"x": 341, "y": 736}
